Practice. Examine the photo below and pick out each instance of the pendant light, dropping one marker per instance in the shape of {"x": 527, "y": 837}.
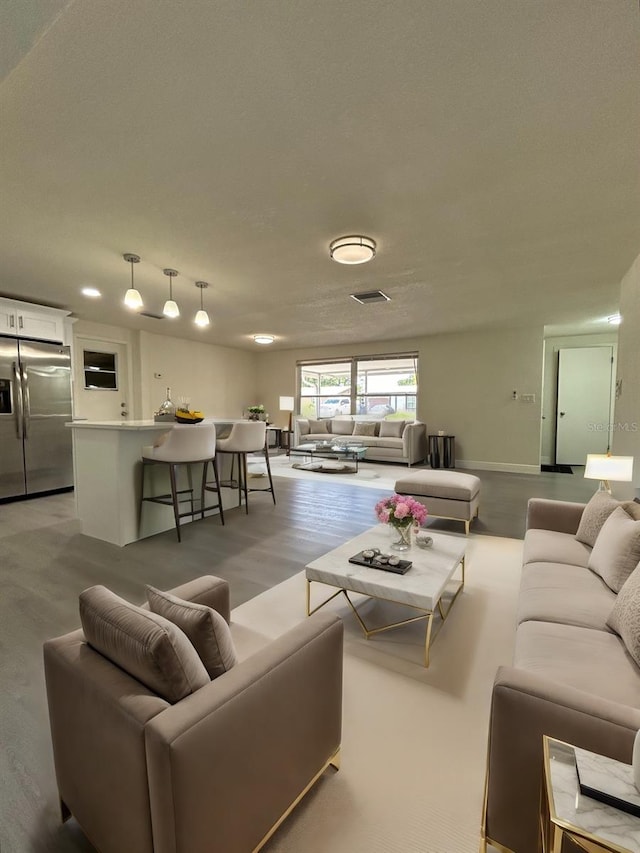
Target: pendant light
{"x": 201, "y": 318}
{"x": 132, "y": 298}
{"x": 170, "y": 308}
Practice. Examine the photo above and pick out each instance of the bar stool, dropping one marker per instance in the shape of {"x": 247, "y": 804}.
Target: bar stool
{"x": 185, "y": 444}
{"x": 246, "y": 437}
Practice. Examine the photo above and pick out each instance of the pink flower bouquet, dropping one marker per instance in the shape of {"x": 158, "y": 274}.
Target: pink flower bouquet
{"x": 401, "y": 511}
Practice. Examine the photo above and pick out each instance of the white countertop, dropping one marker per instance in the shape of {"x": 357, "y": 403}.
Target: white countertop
{"x": 143, "y": 424}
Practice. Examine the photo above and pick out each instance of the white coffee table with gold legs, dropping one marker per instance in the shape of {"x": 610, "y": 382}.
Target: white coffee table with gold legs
{"x": 421, "y": 588}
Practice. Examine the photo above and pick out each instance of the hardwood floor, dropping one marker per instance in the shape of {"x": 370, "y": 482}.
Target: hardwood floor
{"x": 46, "y": 563}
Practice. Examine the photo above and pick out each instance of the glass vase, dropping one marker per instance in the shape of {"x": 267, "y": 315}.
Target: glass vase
{"x": 401, "y": 537}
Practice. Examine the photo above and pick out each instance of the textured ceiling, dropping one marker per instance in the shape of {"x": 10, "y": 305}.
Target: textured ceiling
{"x": 490, "y": 148}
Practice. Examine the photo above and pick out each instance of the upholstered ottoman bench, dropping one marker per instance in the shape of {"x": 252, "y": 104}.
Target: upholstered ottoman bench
{"x": 446, "y": 494}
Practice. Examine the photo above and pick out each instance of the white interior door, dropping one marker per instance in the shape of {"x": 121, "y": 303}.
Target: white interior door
{"x": 101, "y": 380}
{"x": 584, "y": 403}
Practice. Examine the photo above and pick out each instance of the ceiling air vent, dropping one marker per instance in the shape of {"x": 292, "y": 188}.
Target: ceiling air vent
{"x": 370, "y": 296}
{"x": 151, "y": 314}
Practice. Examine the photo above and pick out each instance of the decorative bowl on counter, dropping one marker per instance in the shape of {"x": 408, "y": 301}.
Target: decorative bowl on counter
{"x": 185, "y": 416}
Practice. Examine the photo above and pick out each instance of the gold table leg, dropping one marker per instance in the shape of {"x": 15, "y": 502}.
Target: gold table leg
{"x": 369, "y": 632}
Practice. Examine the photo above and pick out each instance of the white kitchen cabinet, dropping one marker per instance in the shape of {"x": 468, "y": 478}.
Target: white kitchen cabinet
{"x": 24, "y": 320}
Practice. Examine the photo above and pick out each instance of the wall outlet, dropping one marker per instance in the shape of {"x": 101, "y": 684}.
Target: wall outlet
{"x": 528, "y": 398}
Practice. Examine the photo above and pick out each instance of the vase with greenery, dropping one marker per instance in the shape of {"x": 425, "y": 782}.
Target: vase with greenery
{"x": 256, "y": 413}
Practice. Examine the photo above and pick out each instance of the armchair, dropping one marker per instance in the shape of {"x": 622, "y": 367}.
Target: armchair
{"x": 218, "y": 770}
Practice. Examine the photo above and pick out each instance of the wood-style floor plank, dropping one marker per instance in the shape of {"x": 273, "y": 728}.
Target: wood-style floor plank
{"x": 46, "y": 562}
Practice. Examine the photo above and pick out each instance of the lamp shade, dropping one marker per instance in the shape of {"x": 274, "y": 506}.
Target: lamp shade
{"x": 602, "y": 467}
{"x": 287, "y": 404}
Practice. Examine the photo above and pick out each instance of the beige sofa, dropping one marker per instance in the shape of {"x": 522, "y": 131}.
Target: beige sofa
{"x": 214, "y": 772}
{"x": 389, "y": 441}
{"x": 572, "y": 677}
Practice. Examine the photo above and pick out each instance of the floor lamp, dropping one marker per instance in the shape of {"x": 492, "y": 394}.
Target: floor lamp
{"x": 287, "y": 404}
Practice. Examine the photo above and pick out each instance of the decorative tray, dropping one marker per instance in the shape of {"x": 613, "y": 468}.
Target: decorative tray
{"x": 607, "y": 780}
{"x": 380, "y": 561}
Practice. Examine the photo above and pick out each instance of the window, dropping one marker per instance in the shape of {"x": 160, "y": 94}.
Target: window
{"x": 100, "y": 372}
{"x": 382, "y": 386}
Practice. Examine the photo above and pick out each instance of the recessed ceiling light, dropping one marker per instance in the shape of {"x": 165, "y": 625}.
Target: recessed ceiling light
{"x": 263, "y": 339}
{"x": 614, "y": 320}
{"x": 354, "y": 249}
{"x": 93, "y": 292}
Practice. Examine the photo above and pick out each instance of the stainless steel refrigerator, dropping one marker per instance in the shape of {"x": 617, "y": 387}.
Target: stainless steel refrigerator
{"x": 35, "y": 403}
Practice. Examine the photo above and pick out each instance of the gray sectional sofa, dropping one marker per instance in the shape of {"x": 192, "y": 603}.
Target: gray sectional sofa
{"x": 385, "y": 440}
{"x": 572, "y": 677}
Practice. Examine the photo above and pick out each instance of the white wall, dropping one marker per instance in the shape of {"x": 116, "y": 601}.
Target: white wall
{"x": 626, "y": 434}
{"x": 219, "y": 381}
{"x": 466, "y": 382}
{"x": 550, "y": 380}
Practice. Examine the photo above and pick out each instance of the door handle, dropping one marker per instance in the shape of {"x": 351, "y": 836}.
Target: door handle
{"x": 12, "y": 321}
{"x": 26, "y": 410}
{"x": 17, "y": 393}
{"x": 20, "y": 323}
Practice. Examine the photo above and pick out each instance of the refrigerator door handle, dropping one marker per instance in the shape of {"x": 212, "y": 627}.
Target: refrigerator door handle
{"x": 26, "y": 404}
{"x": 17, "y": 393}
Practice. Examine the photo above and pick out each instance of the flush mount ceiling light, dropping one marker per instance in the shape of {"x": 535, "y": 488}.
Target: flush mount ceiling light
{"x": 132, "y": 298}
{"x": 170, "y": 308}
{"x": 92, "y": 292}
{"x": 263, "y": 339}
{"x": 614, "y": 320}
{"x": 354, "y": 249}
{"x": 201, "y": 318}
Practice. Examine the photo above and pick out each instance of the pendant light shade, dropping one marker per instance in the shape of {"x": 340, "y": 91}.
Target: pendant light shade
{"x": 170, "y": 307}
{"x": 132, "y": 298}
{"x": 202, "y": 318}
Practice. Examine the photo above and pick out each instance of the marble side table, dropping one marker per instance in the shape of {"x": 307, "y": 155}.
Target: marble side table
{"x": 566, "y": 813}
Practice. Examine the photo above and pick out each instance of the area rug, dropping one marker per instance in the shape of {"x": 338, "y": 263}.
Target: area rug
{"x": 414, "y": 739}
{"x": 371, "y": 474}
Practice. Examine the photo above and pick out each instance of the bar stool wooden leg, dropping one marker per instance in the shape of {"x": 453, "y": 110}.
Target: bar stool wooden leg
{"x": 245, "y": 479}
{"x": 216, "y": 488}
{"x": 266, "y": 459}
{"x": 205, "y": 465}
{"x": 174, "y": 496}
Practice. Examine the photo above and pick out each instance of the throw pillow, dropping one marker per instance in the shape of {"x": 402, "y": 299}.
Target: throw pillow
{"x": 151, "y": 649}
{"x": 364, "y": 428}
{"x": 317, "y": 426}
{"x": 342, "y": 427}
{"x": 391, "y": 429}
{"x": 617, "y": 550}
{"x": 303, "y": 427}
{"x": 632, "y": 508}
{"x": 207, "y": 630}
{"x": 624, "y": 619}
{"x": 596, "y": 512}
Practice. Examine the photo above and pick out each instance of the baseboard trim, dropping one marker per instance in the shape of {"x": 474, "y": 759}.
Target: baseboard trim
{"x": 505, "y": 467}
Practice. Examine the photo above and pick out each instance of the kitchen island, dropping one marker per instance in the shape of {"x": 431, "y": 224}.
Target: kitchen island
{"x": 107, "y": 465}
